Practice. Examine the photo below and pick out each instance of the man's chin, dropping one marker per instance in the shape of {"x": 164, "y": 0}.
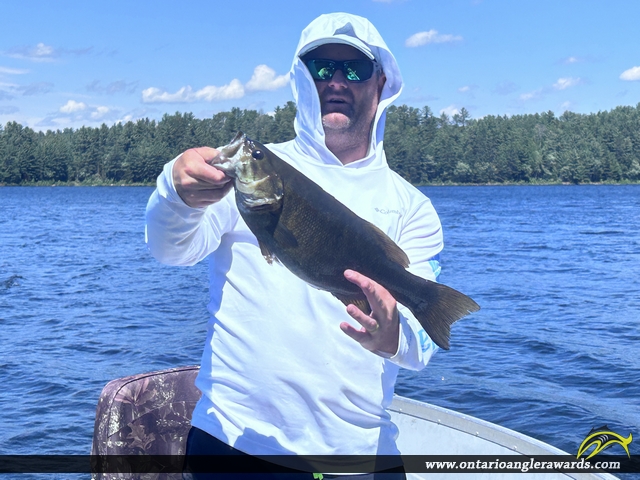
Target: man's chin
{"x": 336, "y": 121}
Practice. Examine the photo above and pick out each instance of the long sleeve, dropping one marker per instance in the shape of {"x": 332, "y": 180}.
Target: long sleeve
{"x": 177, "y": 234}
{"x": 421, "y": 239}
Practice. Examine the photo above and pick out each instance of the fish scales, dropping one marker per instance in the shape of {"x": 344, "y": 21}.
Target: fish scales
{"x": 317, "y": 238}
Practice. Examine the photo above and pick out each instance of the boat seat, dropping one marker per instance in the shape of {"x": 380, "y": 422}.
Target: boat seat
{"x": 149, "y": 413}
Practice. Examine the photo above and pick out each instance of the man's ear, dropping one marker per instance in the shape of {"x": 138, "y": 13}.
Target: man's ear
{"x": 381, "y": 81}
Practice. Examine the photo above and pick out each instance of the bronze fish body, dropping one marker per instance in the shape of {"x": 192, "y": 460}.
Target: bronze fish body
{"x": 317, "y": 238}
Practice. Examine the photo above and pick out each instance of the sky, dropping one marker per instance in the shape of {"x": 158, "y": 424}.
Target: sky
{"x": 74, "y": 63}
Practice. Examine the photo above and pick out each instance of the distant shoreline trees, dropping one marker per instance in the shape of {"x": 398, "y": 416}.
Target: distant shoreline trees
{"x": 423, "y": 148}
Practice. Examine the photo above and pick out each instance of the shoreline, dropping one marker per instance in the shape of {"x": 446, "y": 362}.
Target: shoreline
{"x": 77, "y": 184}
{"x": 525, "y": 184}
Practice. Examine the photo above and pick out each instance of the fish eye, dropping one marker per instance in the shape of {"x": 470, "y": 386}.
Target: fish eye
{"x": 257, "y": 154}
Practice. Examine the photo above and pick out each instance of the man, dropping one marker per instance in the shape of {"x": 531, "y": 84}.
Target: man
{"x": 286, "y": 368}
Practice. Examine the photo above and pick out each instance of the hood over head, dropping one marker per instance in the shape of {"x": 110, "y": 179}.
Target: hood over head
{"x": 358, "y": 32}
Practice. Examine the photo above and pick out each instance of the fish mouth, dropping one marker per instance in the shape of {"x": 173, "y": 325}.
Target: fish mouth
{"x": 249, "y": 187}
{"x": 225, "y": 160}
{"x": 261, "y": 203}
{"x": 250, "y": 202}
{"x": 252, "y": 199}
{"x": 232, "y": 148}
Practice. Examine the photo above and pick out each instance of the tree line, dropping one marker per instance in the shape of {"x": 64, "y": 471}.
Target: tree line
{"x": 422, "y": 147}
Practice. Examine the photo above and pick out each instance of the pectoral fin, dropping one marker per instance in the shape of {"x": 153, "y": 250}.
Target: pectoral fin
{"x": 361, "y": 303}
{"x": 267, "y": 254}
{"x": 284, "y": 236}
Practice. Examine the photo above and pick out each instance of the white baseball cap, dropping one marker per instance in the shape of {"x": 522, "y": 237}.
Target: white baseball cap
{"x": 339, "y": 38}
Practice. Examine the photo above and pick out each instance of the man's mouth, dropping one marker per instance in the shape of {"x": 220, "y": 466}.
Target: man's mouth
{"x": 335, "y": 100}
{"x": 336, "y": 104}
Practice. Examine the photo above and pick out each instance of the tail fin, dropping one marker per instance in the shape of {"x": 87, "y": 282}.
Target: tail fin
{"x": 437, "y": 307}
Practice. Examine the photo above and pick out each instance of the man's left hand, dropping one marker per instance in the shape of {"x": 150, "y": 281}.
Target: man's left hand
{"x": 380, "y": 329}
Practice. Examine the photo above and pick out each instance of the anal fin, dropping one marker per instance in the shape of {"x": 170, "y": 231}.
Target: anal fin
{"x": 361, "y": 303}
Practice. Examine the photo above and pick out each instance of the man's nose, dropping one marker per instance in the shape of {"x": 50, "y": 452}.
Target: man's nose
{"x": 338, "y": 80}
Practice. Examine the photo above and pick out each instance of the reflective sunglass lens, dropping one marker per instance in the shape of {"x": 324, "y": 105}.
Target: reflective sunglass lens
{"x": 353, "y": 70}
{"x": 358, "y": 71}
{"x": 325, "y": 73}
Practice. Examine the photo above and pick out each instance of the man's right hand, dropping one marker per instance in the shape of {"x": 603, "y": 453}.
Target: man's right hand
{"x": 198, "y": 183}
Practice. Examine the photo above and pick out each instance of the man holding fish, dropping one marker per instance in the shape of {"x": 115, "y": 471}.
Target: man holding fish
{"x": 287, "y": 369}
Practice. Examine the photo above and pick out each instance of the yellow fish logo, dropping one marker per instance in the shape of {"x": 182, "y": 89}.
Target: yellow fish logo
{"x": 603, "y": 438}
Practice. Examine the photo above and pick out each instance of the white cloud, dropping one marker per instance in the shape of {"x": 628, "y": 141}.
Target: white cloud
{"x": 264, "y": 78}
{"x": 39, "y": 53}
{"x": 100, "y": 112}
{"x": 566, "y": 106}
{"x": 134, "y": 115}
{"x": 561, "y": 84}
{"x": 468, "y": 89}
{"x": 12, "y": 71}
{"x": 42, "y": 50}
{"x": 450, "y": 111}
{"x": 564, "y": 83}
{"x": 72, "y": 106}
{"x": 532, "y": 95}
{"x": 226, "y": 92}
{"x": 79, "y": 113}
{"x": 186, "y": 94}
{"x": 155, "y": 95}
{"x": 125, "y": 119}
{"x": 631, "y": 74}
{"x": 432, "y": 36}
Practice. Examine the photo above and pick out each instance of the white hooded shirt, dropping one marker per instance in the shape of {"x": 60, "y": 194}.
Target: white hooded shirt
{"x": 278, "y": 376}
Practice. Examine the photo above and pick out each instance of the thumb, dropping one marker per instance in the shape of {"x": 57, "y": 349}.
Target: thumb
{"x": 207, "y": 153}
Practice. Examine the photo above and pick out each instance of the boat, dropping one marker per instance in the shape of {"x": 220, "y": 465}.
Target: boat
{"x": 150, "y": 414}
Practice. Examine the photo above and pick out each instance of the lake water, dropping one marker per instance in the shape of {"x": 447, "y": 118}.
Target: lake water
{"x": 554, "y": 351}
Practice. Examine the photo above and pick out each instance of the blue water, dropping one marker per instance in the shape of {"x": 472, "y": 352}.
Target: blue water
{"x": 554, "y": 351}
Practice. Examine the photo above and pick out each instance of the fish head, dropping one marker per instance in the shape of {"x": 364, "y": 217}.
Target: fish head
{"x": 257, "y": 184}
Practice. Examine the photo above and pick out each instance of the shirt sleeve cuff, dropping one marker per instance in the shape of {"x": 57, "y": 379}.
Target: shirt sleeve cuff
{"x": 413, "y": 352}
{"x": 402, "y": 341}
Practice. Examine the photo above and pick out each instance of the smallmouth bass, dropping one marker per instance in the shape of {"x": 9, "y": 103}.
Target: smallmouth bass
{"x": 317, "y": 238}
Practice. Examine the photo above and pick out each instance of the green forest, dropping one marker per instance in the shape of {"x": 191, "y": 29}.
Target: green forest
{"x": 422, "y": 147}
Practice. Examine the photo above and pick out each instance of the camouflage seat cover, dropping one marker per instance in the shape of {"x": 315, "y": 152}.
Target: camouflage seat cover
{"x": 149, "y": 413}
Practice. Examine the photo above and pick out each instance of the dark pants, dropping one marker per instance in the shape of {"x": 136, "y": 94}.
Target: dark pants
{"x": 200, "y": 443}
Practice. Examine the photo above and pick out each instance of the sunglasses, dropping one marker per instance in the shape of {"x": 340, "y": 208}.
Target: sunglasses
{"x": 353, "y": 70}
